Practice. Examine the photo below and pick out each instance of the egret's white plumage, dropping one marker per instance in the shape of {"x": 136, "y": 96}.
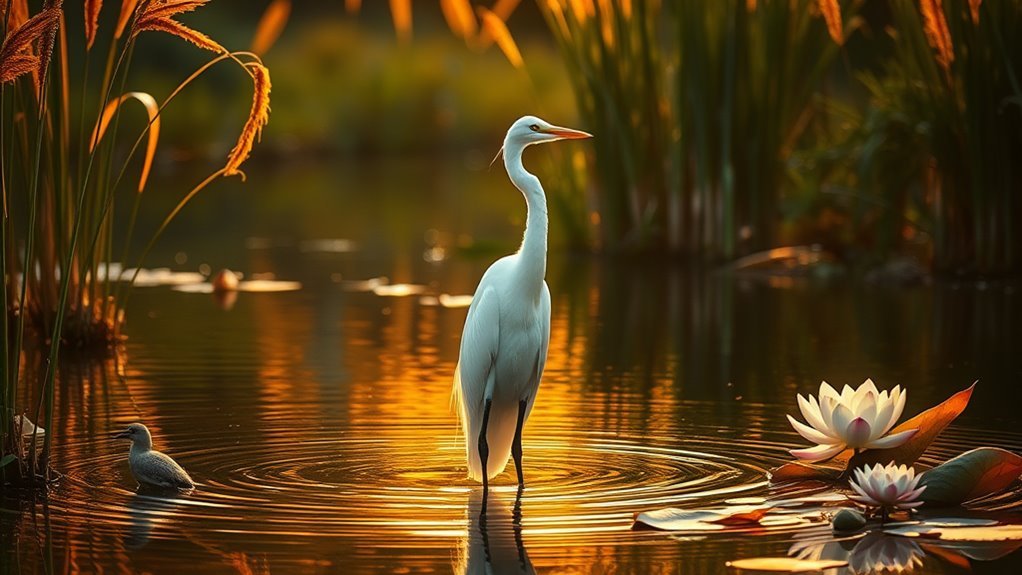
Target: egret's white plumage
{"x": 507, "y": 330}
{"x": 150, "y": 466}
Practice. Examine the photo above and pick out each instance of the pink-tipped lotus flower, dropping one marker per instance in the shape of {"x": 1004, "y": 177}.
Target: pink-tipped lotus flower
{"x": 853, "y": 419}
{"x": 887, "y": 487}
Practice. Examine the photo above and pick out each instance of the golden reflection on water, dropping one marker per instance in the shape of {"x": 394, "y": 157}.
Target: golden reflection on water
{"x": 318, "y": 422}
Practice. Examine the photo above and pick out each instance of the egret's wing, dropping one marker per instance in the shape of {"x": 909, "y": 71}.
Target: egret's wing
{"x": 479, "y": 343}
{"x": 544, "y": 345}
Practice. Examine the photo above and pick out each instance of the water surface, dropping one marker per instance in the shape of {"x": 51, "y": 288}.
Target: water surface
{"x": 317, "y": 422}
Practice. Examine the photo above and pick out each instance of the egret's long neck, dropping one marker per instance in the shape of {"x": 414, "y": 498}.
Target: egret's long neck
{"x": 532, "y": 254}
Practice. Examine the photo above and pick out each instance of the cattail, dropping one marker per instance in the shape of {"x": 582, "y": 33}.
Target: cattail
{"x": 937, "y": 33}
{"x": 127, "y": 9}
{"x": 92, "y": 8}
{"x": 499, "y": 32}
{"x": 257, "y": 118}
{"x": 974, "y": 10}
{"x": 832, "y": 15}
{"x": 401, "y": 12}
{"x": 271, "y": 25}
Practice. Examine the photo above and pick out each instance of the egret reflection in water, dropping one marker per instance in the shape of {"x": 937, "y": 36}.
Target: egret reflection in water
{"x": 149, "y": 509}
{"x": 494, "y": 541}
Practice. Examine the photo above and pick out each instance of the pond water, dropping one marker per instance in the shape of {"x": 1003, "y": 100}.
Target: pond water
{"x": 317, "y": 421}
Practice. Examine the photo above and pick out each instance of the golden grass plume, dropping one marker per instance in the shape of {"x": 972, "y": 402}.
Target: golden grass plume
{"x": 270, "y": 26}
{"x": 92, "y": 8}
{"x": 495, "y": 28}
{"x": 258, "y": 116}
{"x": 937, "y": 33}
{"x": 831, "y": 11}
{"x": 158, "y": 15}
{"x": 153, "y": 111}
{"x": 17, "y": 65}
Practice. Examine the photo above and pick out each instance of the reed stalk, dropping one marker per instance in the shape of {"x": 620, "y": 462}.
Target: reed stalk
{"x": 70, "y": 196}
{"x": 697, "y": 106}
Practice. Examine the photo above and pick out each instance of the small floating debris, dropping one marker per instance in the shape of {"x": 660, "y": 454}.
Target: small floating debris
{"x": 398, "y": 290}
{"x": 224, "y": 281}
{"x": 329, "y": 246}
{"x": 785, "y": 564}
{"x": 964, "y": 533}
{"x": 446, "y": 300}
{"x": 364, "y": 285}
{"x": 847, "y": 520}
{"x": 160, "y": 277}
{"x": 257, "y": 286}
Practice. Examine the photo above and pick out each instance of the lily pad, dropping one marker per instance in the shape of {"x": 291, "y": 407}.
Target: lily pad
{"x": 975, "y": 533}
{"x": 971, "y": 475}
{"x": 673, "y": 519}
{"x": 798, "y": 471}
{"x": 786, "y": 564}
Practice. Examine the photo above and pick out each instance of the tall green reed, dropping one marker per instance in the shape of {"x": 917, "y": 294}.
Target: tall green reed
{"x": 697, "y": 106}
{"x": 952, "y": 86}
{"x": 60, "y": 181}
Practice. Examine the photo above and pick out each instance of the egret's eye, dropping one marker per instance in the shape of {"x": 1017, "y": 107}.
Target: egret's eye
{"x": 534, "y": 127}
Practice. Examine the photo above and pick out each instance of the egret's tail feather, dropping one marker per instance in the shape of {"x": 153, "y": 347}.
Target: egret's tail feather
{"x": 500, "y": 432}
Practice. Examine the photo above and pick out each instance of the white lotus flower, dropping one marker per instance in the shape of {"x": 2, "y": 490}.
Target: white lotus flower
{"x": 855, "y": 418}
{"x": 887, "y": 486}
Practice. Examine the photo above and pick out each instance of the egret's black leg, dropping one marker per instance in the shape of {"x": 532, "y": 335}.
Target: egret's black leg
{"x": 484, "y": 449}
{"x": 516, "y": 447}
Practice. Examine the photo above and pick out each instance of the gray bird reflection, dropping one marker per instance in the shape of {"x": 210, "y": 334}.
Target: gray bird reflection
{"x": 494, "y": 541}
{"x": 149, "y": 509}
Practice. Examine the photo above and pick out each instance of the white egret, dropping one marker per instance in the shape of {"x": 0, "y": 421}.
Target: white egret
{"x": 507, "y": 330}
{"x": 150, "y": 466}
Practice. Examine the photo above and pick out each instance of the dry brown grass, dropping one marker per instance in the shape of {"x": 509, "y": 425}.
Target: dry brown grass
{"x": 460, "y": 19}
{"x": 258, "y": 116}
{"x": 152, "y": 109}
{"x": 178, "y": 29}
{"x": 19, "y": 13}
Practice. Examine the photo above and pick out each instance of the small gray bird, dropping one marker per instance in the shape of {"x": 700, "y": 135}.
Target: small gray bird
{"x": 150, "y": 467}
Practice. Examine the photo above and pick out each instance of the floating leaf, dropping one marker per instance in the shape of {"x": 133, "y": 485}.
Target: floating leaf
{"x": 798, "y": 471}
{"x": 673, "y": 519}
{"x": 930, "y": 424}
{"x": 786, "y": 564}
{"x": 7, "y": 459}
{"x": 971, "y": 475}
{"x": 976, "y": 533}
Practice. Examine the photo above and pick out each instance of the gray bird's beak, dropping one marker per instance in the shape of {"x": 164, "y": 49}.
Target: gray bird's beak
{"x": 120, "y": 435}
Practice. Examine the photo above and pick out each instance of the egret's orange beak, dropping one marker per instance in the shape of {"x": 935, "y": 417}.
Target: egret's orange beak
{"x": 566, "y": 133}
